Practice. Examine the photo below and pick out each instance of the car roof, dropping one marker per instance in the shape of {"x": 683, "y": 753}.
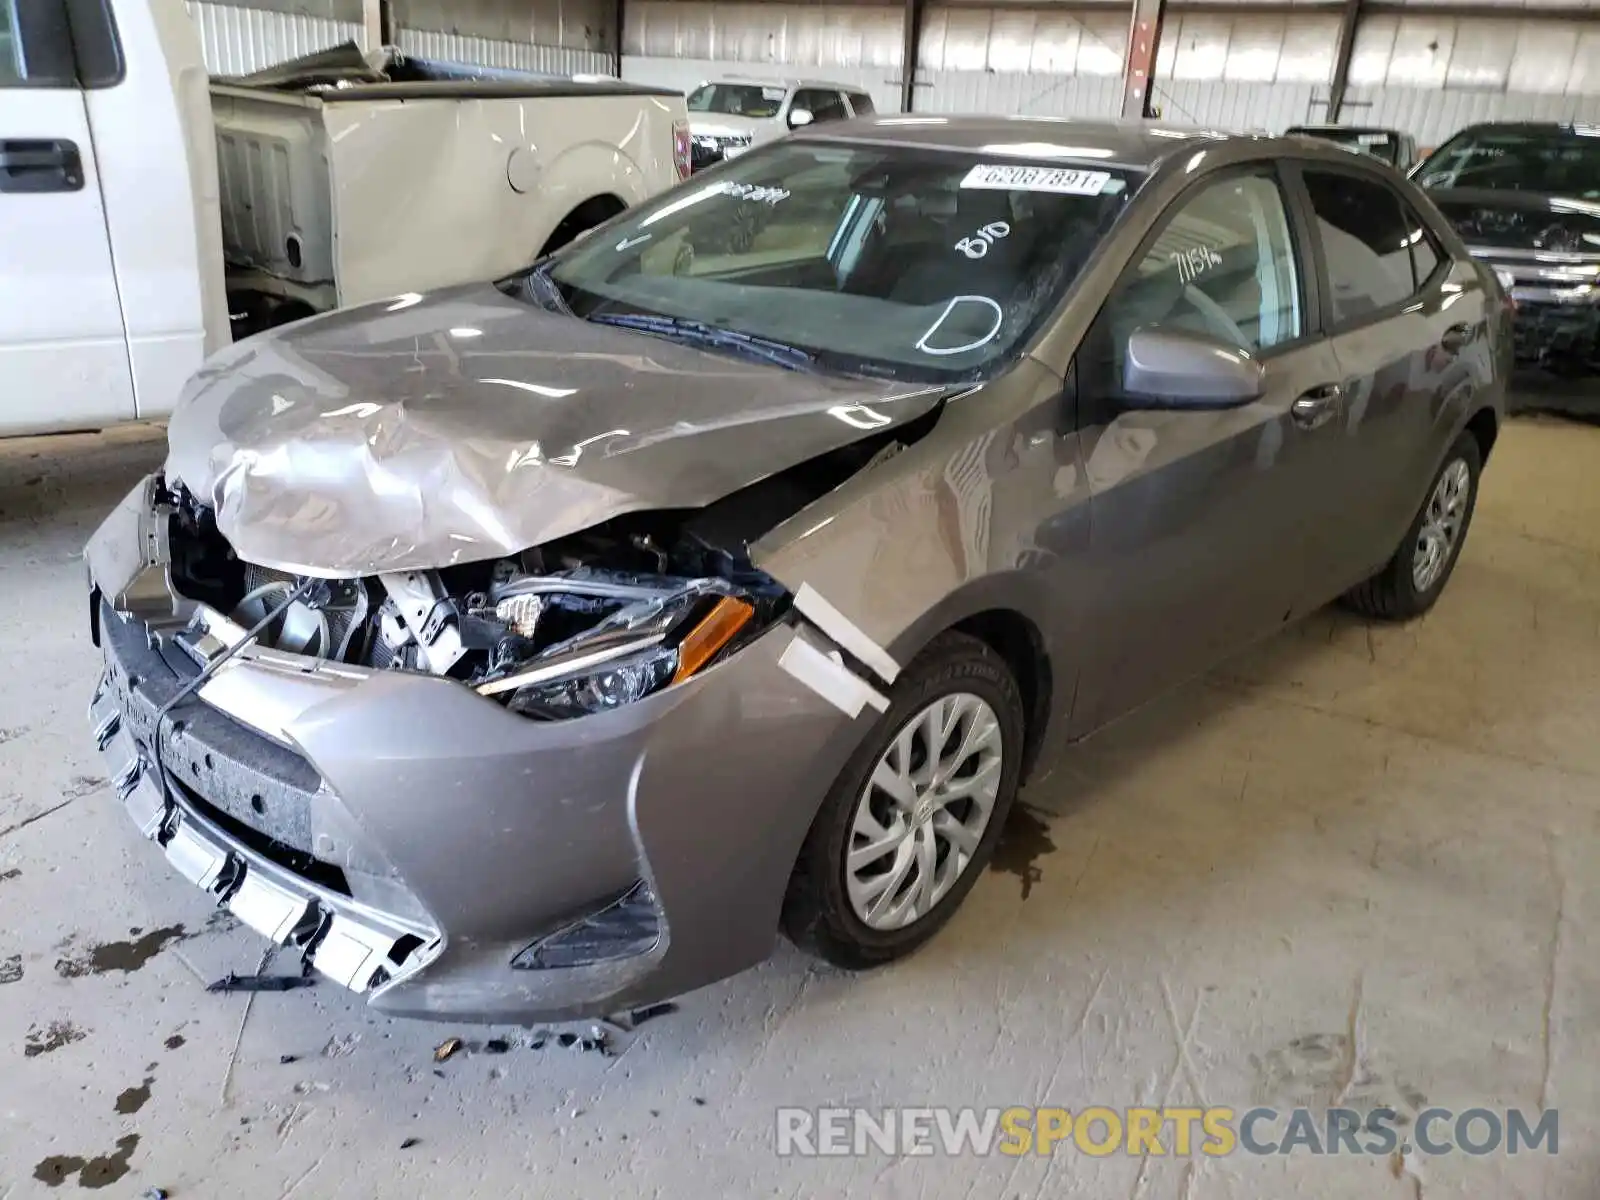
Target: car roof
{"x": 1345, "y": 129}
{"x": 1138, "y": 145}
{"x": 790, "y": 83}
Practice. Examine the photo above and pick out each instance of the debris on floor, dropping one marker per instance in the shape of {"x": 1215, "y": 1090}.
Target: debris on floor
{"x": 261, "y": 983}
{"x": 410, "y": 1142}
{"x": 650, "y": 1012}
{"x": 339, "y": 1047}
{"x": 52, "y": 1037}
{"x": 447, "y": 1049}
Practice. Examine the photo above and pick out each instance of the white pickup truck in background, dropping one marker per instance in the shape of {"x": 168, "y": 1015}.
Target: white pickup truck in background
{"x": 148, "y": 212}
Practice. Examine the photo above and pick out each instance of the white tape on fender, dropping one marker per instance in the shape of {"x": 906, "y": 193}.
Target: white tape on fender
{"x": 845, "y": 631}
{"x": 830, "y": 679}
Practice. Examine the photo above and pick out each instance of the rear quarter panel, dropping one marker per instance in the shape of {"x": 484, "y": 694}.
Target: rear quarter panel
{"x": 429, "y": 193}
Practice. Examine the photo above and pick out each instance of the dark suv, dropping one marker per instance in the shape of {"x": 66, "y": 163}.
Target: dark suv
{"x": 1526, "y": 199}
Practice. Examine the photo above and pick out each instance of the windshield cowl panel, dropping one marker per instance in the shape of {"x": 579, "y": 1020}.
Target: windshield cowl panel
{"x": 911, "y": 263}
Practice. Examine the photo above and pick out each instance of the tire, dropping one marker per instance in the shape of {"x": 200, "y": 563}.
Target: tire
{"x": 1394, "y": 593}
{"x": 819, "y": 914}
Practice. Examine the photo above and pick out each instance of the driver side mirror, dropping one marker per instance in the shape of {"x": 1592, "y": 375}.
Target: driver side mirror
{"x": 800, "y": 117}
{"x": 1176, "y": 369}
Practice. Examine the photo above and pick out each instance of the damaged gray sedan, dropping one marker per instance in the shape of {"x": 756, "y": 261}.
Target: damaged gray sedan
{"x": 545, "y": 648}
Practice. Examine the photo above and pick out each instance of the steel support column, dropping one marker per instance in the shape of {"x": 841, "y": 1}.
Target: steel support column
{"x": 910, "y": 47}
{"x": 1348, "y": 23}
{"x": 372, "y": 23}
{"x": 1138, "y": 71}
{"x": 620, "y": 15}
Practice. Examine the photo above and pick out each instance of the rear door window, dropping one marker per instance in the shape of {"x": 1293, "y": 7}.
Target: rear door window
{"x": 1366, "y": 240}
{"x": 822, "y": 105}
{"x": 861, "y": 104}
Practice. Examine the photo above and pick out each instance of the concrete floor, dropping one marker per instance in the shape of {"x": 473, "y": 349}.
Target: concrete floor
{"x": 1386, "y": 837}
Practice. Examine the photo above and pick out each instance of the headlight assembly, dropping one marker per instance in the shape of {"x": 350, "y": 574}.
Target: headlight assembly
{"x": 639, "y": 650}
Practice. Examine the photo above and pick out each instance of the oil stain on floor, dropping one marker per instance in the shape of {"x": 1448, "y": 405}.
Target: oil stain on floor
{"x": 119, "y": 956}
{"x": 101, "y": 1171}
{"x": 1025, "y": 840}
{"x": 133, "y": 1099}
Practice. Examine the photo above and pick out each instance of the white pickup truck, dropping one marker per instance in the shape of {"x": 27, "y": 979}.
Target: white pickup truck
{"x": 148, "y": 212}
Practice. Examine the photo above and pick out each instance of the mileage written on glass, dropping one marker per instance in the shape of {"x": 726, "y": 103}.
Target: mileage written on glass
{"x": 1066, "y": 180}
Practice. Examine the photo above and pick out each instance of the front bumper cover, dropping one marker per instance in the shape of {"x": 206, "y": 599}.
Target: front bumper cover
{"x": 413, "y": 838}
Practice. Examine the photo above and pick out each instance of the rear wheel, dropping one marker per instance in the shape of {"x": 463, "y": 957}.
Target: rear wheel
{"x": 914, "y": 817}
{"x": 1413, "y": 579}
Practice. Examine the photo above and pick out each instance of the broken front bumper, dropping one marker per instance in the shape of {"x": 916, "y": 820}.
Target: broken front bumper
{"x": 421, "y": 844}
{"x": 1557, "y": 324}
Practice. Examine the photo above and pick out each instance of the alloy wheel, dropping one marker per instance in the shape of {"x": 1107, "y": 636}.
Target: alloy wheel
{"x": 1441, "y": 525}
{"x": 923, "y": 813}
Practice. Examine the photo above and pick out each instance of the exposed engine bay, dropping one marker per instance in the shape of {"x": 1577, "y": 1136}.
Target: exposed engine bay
{"x": 582, "y": 624}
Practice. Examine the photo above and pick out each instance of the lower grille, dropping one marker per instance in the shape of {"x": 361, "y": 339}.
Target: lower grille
{"x": 1557, "y": 334}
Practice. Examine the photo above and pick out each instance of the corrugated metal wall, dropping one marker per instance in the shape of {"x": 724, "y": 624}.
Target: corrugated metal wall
{"x": 1425, "y": 73}
{"x": 1428, "y": 74}
{"x": 238, "y": 39}
{"x": 679, "y": 45}
{"x": 494, "y": 52}
{"x": 572, "y": 24}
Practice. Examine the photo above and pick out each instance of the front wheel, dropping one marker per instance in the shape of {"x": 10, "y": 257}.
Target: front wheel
{"x": 1413, "y": 579}
{"x": 914, "y": 817}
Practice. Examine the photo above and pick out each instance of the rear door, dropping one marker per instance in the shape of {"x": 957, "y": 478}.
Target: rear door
{"x": 1199, "y": 517}
{"x": 1406, "y": 329}
{"x": 63, "y": 353}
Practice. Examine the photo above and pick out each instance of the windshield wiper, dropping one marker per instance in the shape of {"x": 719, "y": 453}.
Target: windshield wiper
{"x": 699, "y": 332}
{"x": 547, "y": 290}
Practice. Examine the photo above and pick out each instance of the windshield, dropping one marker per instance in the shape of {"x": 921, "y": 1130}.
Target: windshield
{"x": 738, "y": 99}
{"x": 923, "y": 265}
{"x": 1553, "y": 161}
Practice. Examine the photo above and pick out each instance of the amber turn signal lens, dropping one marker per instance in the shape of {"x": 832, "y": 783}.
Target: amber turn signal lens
{"x": 711, "y": 635}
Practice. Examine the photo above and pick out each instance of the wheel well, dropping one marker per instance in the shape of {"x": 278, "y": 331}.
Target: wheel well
{"x": 1484, "y": 428}
{"x": 593, "y": 211}
{"x": 1017, "y": 640}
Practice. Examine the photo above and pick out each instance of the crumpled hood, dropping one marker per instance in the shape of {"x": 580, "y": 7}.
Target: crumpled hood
{"x": 423, "y": 432}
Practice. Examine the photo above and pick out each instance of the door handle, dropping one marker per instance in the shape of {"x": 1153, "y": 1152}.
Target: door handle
{"x": 1454, "y": 339}
{"x": 1317, "y": 406}
{"x": 40, "y": 165}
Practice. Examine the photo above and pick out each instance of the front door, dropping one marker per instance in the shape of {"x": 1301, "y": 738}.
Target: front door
{"x": 63, "y": 352}
{"x": 1198, "y": 517}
